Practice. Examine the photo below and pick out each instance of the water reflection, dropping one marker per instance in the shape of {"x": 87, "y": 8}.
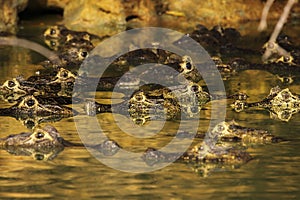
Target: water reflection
{"x": 75, "y": 172}
{"x": 45, "y": 143}
{"x": 272, "y": 174}
{"x": 281, "y": 104}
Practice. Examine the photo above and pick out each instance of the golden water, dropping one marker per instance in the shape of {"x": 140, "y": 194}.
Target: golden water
{"x": 75, "y": 173}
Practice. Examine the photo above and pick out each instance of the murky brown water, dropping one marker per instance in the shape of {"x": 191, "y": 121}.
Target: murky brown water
{"x": 75, "y": 173}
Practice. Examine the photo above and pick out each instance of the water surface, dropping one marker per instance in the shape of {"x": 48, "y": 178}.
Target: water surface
{"x": 75, "y": 173}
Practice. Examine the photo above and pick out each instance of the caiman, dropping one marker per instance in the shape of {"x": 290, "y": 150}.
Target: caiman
{"x": 46, "y": 143}
{"x": 281, "y": 103}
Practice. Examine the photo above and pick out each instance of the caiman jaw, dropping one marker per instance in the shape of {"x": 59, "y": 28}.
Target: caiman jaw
{"x": 14, "y": 140}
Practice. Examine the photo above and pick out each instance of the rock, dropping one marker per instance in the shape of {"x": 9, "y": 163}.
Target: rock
{"x": 101, "y": 17}
{"x": 140, "y": 13}
{"x": 188, "y": 13}
{"x": 57, "y": 3}
{"x": 9, "y": 14}
{"x": 109, "y": 17}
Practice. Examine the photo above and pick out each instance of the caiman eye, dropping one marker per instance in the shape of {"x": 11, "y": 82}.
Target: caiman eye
{"x": 140, "y": 121}
{"x": 53, "y": 44}
{"x": 139, "y": 97}
{"x": 286, "y": 80}
{"x": 39, "y": 135}
{"x": 286, "y": 59}
{"x": 11, "y": 84}
{"x": 194, "y": 109}
{"x": 84, "y": 54}
{"x": 221, "y": 128}
{"x": 30, "y": 102}
{"x": 70, "y": 84}
{"x": 30, "y": 123}
{"x": 39, "y": 157}
{"x": 188, "y": 66}
{"x": 195, "y": 88}
{"x": 64, "y": 74}
{"x": 52, "y": 31}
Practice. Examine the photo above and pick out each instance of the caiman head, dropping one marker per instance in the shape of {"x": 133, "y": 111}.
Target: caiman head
{"x": 63, "y": 76}
{"x": 74, "y": 56}
{"x": 65, "y": 79}
{"x": 42, "y": 144}
{"x": 55, "y": 32}
{"x": 46, "y": 137}
{"x": 31, "y": 106}
{"x": 14, "y": 89}
{"x": 233, "y": 132}
{"x": 11, "y": 86}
